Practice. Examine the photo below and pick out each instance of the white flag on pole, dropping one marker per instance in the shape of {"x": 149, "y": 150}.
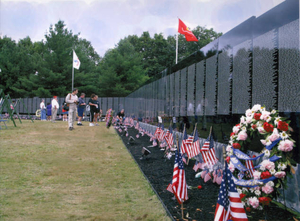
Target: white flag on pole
{"x": 76, "y": 62}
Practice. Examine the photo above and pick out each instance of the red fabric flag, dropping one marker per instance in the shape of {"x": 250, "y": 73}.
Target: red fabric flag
{"x": 183, "y": 29}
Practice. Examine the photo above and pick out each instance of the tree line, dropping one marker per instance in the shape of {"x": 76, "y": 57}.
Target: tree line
{"x": 44, "y": 68}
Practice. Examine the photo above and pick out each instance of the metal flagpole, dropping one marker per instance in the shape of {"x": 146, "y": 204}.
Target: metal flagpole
{"x": 73, "y": 71}
{"x": 176, "y": 48}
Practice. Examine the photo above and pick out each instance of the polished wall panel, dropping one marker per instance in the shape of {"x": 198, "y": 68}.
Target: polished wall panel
{"x": 199, "y": 96}
{"x": 167, "y": 101}
{"x": 191, "y": 90}
{"x": 177, "y": 93}
{"x": 224, "y": 79}
{"x": 241, "y": 73}
{"x": 172, "y": 94}
{"x": 104, "y": 105}
{"x": 264, "y": 70}
{"x": 116, "y": 104}
{"x": 289, "y": 68}
{"x": 183, "y": 81}
{"x": 210, "y": 86}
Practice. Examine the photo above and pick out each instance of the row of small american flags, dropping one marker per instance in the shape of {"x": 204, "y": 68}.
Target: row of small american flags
{"x": 229, "y": 206}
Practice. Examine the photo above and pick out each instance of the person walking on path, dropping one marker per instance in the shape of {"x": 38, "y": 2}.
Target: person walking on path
{"x": 43, "y": 110}
{"x": 80, "y": 109}
{"x": 55, "y": 107}
{"x": 72, "y": 100}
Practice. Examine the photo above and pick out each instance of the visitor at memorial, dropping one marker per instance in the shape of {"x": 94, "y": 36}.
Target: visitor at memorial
{"x": 72, "y": 100}
{"x": 81, "y": 107}
{"x": 121, "y": 116}
{"x": 43, "y": 110}
{"x": 92, "y": 109}
{"x": 49, "y": 107}
{"x": 97, "y": 110}
{"x": 55, "y": 107}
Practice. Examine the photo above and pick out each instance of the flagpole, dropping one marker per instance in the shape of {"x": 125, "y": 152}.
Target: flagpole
{"x": 72, "y": 77}
{"x": 73, "y": 70}
{"x": 176, "y": 48}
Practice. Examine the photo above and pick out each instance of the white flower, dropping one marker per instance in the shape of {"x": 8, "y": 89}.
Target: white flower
{"x": 270, "y": 183}
{"x": 242, "y": 119}
{"x": 267, "y": 153}
{"x": 239, "y": 190}
{"x": 265, "y": 115}
{"x": 228, "y": 148}
{"x": 277, "y": 119}
{"x": 243, "y": 203}
{"x": 262, "y": 109}
{"x": 262, "y": 168}
{"x": 259, "y": 124}
{"x": 251, "y": 190}
{"x": 272, "y": 171}
{"x": 235, "y": 129}
{"x": 248, "y": 112}
{"x": 273, "y": 112}
{"x": 281, "y": 166}
{"x": 244, "y": 128}
{"x": 268, "y": 119}
{"x": 249, "y": 120}
{"x": 256, "y": 107}
{"x": 260, "y": 208}
{"x": 284, "y": 135}
{"x": 245, "y": 189}
{"x": 257, "y": 192}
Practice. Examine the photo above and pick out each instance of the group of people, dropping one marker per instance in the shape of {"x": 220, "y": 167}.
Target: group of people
{"x": 75, "y": 106}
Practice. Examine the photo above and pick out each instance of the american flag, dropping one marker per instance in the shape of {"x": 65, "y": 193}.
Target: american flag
{"x": 208, "y": 152}
{"x": 161, "y": 136}
{"x": 178, "y": 182}
{"x": 186, "y": 142}
{"x": 169, "y": 188}
{"x": 194, "y": 149}
{"x": 229, "y": 205}
{"x": 157, "y": 132}
{"x": 169, "y": 137}
{"x": 197, "y": 166}
{"x": 249, "y": 165}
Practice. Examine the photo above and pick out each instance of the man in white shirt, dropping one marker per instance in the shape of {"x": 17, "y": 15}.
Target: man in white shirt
{"x": 43, "y": 110}
{"x": 72, "y": 100}
{"x": 55, "y": 107}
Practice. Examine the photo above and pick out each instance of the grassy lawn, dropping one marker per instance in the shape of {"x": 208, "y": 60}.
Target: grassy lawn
{"x": 51, "y": 173}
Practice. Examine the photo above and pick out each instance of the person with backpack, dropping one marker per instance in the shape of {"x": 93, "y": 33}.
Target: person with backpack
{"x": 72, "y": 100}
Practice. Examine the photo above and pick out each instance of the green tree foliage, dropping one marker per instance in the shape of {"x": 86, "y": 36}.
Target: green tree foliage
{"x": 44, "y": 68}
{"x": 122, "y": 70}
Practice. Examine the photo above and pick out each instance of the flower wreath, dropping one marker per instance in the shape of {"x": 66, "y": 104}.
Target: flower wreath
{"x": 258, "y": 181}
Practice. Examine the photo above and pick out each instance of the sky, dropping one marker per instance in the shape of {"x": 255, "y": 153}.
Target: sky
{"x": 105, "y": 22}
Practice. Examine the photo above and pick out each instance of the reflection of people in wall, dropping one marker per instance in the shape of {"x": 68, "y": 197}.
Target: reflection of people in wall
{"x": 190, "y": 109}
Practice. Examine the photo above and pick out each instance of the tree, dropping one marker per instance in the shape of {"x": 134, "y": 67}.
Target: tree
{"x": 122, "y": 70}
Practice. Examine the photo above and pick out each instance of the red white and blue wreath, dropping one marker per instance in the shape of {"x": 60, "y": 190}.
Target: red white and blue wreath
{"x": 259, "y": 177}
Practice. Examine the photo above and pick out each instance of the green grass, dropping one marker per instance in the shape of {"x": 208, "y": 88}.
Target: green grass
{"x": 51, "y": 173}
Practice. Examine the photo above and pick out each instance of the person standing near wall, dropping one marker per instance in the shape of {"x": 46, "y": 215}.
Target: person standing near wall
{"x": 72, "y": 100}
{"x": 55, "y": 107}
{"x": 80, "y": 109}
{"x": 43, "y": 110}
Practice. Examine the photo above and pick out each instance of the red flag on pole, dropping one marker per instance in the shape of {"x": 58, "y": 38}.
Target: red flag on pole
{"x": 183, "y": 29}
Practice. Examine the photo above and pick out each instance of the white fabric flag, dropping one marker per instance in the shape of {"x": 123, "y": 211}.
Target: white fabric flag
{"x": 76, "y": 62}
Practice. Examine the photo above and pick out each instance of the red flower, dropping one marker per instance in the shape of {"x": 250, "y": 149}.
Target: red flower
{"x": 232, "y": 134}
{"x": 283, "y": 126}
{"x": 257, "y": 116}
{"x": 248, "y": 209}
{"x": 199, "y": 187}
{"x": 268, "y": 127}
{"x": 242, "y": 195}
{"x": 254, "y": 126}
{"x": 264, "y": 200}
{"x": 236, "y": 145}
{"x": 228, "y": 159}
{"x": 265, "y": 175}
